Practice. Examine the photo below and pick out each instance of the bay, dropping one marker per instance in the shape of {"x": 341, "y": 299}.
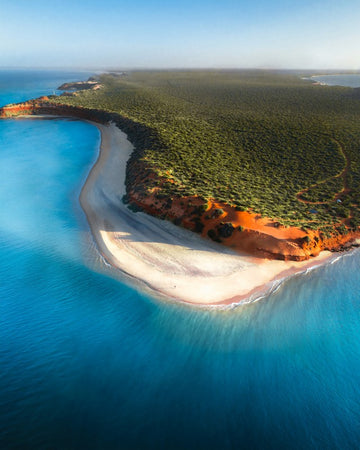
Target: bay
{"x": 349, "y": 80}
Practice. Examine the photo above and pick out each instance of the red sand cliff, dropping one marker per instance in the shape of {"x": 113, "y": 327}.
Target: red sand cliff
{"x": 241, "y": 230}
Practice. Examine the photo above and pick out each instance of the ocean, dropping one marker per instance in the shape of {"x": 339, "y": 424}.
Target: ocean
{"x": 350, "y": 80}
{"x": 87, "y": 362}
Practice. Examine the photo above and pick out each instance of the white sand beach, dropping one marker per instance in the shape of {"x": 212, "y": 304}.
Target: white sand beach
{"x": 167, "y": 259}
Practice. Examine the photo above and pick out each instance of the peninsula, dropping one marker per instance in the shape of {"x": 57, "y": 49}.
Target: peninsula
{"x": 265, "y": 164}
{"x": 80, "y": 85}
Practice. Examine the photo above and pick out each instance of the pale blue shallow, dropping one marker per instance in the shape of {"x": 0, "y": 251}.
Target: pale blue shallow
{"x": 87, "y": 362}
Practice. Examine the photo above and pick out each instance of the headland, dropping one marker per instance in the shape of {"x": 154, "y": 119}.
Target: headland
{"x": 169, "y": 259}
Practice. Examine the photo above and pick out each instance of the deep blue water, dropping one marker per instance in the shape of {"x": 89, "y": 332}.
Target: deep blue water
{"x": 87, "y": 362}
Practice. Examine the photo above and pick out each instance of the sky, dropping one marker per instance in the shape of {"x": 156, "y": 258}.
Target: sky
{"x": 124, "y": 34}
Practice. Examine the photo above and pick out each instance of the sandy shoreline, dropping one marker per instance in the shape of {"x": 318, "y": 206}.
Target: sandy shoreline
{"x": 167, "y": 259}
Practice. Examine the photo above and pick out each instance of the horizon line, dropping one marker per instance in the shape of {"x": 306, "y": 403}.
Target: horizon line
{"x": 174, "y": 68}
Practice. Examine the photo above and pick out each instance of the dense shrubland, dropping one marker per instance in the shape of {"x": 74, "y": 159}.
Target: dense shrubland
{"x": 254, "y": 140}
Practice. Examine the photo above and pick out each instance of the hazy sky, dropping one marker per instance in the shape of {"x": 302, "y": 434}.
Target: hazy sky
{"x": 182, "y": 33}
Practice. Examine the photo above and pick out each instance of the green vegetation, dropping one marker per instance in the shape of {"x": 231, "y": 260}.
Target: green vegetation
{"x": 271, "y": 143}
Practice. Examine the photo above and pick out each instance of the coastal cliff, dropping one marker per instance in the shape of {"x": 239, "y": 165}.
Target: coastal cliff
{"x": 244, "y": 231}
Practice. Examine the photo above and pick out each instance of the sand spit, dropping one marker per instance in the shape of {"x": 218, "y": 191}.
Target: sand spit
{"x": 167, "y": 259}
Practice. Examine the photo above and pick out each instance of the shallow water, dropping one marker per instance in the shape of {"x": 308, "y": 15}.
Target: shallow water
{"x": 88, "y": 362}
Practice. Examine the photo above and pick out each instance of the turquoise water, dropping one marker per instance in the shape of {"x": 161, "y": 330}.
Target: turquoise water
{"x": 87, "y": 362}
{"x": 20, "y": 85}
